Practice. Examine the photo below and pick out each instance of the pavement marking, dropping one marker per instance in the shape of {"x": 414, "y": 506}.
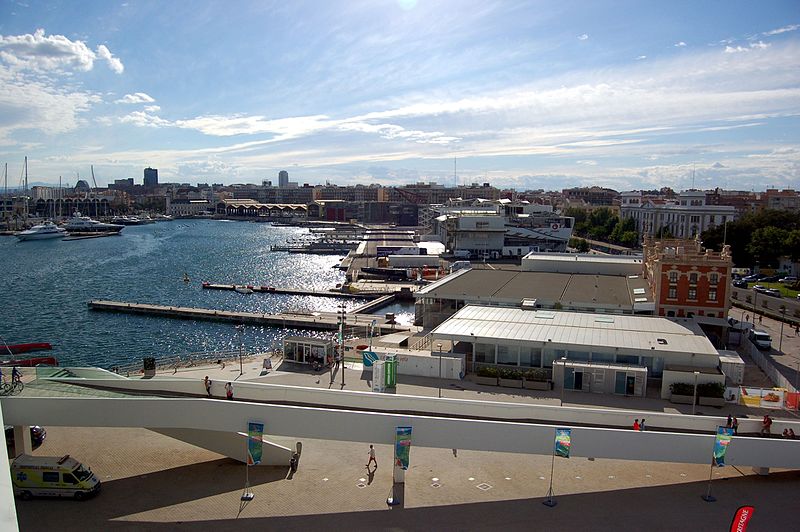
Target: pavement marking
{"x": 435, "y": 479}
{"x": 649, "y": 476}
{"x": 483, "y": 486}
{"x": 361, "y": 485}
{"x": 508, "y": 478}
{"x": 683, "y": 474}
{"x": 436, "y": 485}
{"x": 362, "y": 480}
{"x": 611, "y": 476}
{"x": 542, "y": 478}
{"x": 471, "y": 479}
{"x": 579, "y": 478}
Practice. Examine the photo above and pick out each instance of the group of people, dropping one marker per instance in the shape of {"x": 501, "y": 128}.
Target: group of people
{"x": 228, "y": 388}
{"x": 789, "y": 434}
{"x": 16, "y": 376}
{"x": 638, "y": 425}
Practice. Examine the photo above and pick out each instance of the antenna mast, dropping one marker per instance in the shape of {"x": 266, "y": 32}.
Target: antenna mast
{"x": 455, "y": 174}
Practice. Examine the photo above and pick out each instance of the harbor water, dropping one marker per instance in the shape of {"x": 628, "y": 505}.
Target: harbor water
{"x": 46, "y": 285}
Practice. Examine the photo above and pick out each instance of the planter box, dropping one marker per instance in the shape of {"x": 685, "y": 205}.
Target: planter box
{"x": 536, "y": 385}
{"x": 719, "y": 402}
{"x": 681, "y": 399}
{"x": 488, "y": 381}
{"x": 511, "y": 383}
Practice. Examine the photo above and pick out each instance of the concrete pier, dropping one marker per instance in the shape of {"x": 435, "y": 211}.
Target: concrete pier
{"x": 324, "y": 321}
{"x": 297, "y": 291}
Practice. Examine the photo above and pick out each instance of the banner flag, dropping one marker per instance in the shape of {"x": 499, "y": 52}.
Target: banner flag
{"x": 742, "y": 518}
{"x": 402, "y": 446}
{"x": 721, "y": 445}
{"x": 563, "y": 442}
{"x": 255, "y": 431}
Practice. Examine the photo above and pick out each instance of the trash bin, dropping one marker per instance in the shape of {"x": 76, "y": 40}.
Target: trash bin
{"x": 149, "y": 366}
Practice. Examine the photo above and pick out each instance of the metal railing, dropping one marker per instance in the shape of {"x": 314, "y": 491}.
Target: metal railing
{"x": 187, "y": 360}
{"x": 766, "y": 365}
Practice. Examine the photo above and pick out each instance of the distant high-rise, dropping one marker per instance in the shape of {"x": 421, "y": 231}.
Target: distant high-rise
{"x": 283, "y": 178}
{"x": 150, "y": 177}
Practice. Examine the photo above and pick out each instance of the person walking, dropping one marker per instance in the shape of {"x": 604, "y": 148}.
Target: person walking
{"x": 729, "y": 422}
{"x": 759, "y": 319}
{"x": 766, "y": 424}
{"x": 641, "y": 425}
{"x": 735, "y": 425}
{"x": 16, "y": 376}
{"x": 797, "y": 330}
{"x": 636, "y": 424}
{"x": 229, "y": 391}
{"x": 372, "y": 457}
{"x": 207, "y": 384}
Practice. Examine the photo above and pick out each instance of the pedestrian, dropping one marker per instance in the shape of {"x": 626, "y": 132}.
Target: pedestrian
{"x": 641, "y": 425}
{"x": 766, "y": 423}
{"x": 791, "y": 434}
{"x": 207, "y": 383}
{"x": 372, "y": 457}
{"x": 636, "y": 424}
{"x": 746, "y": 318}
{"x": 735, "y": 425}
{"x": 729, "y": 423}
{"x": 785, "y": 433}
{"x": 797, "y": 330}
{"x": 229, "y": 391}
{"x": 759, "y": 319}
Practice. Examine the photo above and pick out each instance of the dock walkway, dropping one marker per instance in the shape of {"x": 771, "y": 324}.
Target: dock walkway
{"x": 324, "y": 321}
{"x": 298, "y": 291}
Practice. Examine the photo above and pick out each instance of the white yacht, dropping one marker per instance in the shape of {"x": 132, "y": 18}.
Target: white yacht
{"x": 42, "y": 231}
{"x": 84, "y": 224}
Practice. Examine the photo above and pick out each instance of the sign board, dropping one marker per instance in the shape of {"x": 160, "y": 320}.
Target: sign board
{"x": 390, "y": 379}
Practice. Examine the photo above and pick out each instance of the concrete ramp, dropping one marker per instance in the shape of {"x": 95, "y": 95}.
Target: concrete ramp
{"x": 230, "y": 444}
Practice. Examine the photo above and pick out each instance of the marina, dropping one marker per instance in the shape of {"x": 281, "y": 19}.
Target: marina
{"x": 296, "y": 291}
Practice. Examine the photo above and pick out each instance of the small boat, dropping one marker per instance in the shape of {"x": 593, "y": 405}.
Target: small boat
{"x": 30, "y": 362}
{"x": 44, "y": 231}
{"x": 186, "y": 277}
{"x": 25, "y": 348}
{"x": 84, "y": 224}
{"x": 244, "y": 290}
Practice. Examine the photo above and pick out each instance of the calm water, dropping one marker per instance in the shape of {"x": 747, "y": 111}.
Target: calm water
{"x": 46, "y": 284}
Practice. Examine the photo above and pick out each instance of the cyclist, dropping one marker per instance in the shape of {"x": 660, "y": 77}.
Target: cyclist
{"x": 16, "y": 376}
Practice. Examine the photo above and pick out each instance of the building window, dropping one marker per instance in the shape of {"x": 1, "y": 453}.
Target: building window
{"x": 693, "y": 293}
{"x": 694, "y": 219}
{"x": 673, "y": 292}
{"x": 692, "y": 278}
{"x": 673, "y": 277}
{"x": 713, "y": 278}
{"x": 712, "y": 294}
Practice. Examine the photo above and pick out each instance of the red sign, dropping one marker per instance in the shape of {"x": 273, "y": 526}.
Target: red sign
{"x": 742, "y": 517}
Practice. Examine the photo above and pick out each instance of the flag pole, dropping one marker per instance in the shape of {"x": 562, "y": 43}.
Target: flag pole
{"x": 708, "y": 497}
{"x": 550, "y": 502}
{"x": 247, "y": 495}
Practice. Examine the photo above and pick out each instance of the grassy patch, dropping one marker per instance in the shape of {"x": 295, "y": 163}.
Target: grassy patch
{"x": 785, "y": 292}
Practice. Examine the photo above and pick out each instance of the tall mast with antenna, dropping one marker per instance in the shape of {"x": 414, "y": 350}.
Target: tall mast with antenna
{"x": 455, "y": 173}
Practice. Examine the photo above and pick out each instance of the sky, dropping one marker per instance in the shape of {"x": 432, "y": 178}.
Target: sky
{"x": 526, "y": 95}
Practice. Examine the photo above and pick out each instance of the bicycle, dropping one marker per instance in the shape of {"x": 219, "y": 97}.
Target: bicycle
{"x": 11, "y": 388}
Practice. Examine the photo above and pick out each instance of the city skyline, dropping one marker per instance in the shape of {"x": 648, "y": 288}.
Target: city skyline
{"x": 524, "y": 95}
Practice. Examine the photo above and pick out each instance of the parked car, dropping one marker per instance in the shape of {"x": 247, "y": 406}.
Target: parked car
{"x": 770, "y": 279}
{"x": 740, "y": 284}
{"x": 38, "y": 434}
{"x": 774, "y": 292}
{"x": 788, "y": 279}
{"x": 759, "y": 288}
{"x": 754, "y": 277}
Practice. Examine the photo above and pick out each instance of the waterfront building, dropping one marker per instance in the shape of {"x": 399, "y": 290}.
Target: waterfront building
{"x": 685, "y": 216}
{"x": 583, "y": 351}
{"x": 150, "y": 177}
{"x": 188, "y": 207}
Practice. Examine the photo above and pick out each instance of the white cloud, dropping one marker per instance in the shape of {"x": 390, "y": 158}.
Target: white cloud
{"x": 152, "y": 108}
{"x": 679, "y": 44}
{"x": 54, "y": 52}
{"x": 144, "y": 119}
{"x": 784, "y": 29}
{"x": 641, "y": 57}
{"x": 113, "y": 62}
{"x": 136, "y": 97}
{"x": 583, "y": 36}
{"x": 760, "y": 45}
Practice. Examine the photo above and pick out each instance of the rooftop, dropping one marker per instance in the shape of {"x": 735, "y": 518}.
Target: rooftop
{"x": 570, "y": 329}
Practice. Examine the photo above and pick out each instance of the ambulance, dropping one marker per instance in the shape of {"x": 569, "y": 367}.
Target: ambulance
{"x": 51, "y": 476}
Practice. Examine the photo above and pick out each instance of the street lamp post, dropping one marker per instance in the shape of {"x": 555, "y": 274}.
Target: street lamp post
{"x": 563, "y": 377}
{"x": 783, "y": 318}
{"x": 343, "y": 322}
{"x": 239, "y": 330}
{"x": 694, "y": 395}
{"x": 439, "y": 346}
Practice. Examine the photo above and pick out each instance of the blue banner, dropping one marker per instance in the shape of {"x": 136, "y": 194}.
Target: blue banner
{"x": 255, "y": 431}
{"x": 563, "y": 442}
{"x": 402, "y": 446}
{"x": 721, "y": 445}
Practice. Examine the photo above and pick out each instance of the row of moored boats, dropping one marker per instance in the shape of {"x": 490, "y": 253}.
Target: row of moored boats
{"x": 82, "y": 225}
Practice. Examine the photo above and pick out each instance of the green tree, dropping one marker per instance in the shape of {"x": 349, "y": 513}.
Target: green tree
{"x": 740, "y": 234}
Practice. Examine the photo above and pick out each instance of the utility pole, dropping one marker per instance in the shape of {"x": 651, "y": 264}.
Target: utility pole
{"x": 783, "y": 318}
{"x": 342, "y": 326}
{"x": 439, "y": 346}
{"x": 694, "y": 395}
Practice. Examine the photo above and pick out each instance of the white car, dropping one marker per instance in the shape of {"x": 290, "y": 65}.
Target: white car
{"x": 762, "y": 340}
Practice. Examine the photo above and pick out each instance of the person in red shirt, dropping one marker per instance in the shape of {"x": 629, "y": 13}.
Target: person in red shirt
{"x": 636, "y": 424}
{"x": 765, "y": 425}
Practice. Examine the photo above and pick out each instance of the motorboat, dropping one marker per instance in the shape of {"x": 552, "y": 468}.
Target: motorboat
{"x": 84, "y": 224}
{"x": 15, "y": 349}
{"x": 163, "y": 217}
{"x": 42, "y": 231}
{"x": 127, "y": 220}
{"x": 244, "y": 289}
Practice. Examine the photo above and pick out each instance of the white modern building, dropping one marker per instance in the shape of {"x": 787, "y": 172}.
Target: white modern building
{"x": 685, "y": 216}
{"x": 584, "y": 351}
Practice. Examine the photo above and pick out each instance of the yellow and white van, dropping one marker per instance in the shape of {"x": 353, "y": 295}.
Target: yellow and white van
{"x": 51, "y": 476}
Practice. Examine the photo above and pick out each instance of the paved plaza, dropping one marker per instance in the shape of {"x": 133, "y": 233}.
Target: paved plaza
{"x": 151, "y": 482}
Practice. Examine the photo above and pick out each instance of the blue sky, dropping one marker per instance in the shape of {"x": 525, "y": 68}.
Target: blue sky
{"x": 524, "y": 94}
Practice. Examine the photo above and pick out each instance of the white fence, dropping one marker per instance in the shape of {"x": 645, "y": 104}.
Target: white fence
{"x": 767, "y": 367}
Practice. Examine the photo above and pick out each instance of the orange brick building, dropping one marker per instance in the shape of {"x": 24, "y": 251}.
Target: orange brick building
{"x": 687, "y": 280}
